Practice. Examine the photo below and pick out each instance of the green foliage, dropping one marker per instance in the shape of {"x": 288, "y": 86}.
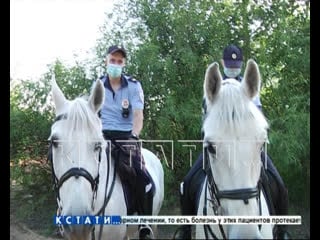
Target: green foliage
{"x": 73, "y": 80}
{"x": 292, "y": 141}
{"x": 171, "y": 188}
{"x": 286, "y": 96}
{"x": 29, "y": 123}
{"x": 29, "y": 131}
{"x": 31, "y": 110}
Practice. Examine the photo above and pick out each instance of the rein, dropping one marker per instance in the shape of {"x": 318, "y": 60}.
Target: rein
{"x": 81, "y": 172}
{"x": 237, "y": 194}
{"x": 106, "y": 197}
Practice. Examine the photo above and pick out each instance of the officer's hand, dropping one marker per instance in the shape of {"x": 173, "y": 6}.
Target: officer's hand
{"x": 134, "y": 137}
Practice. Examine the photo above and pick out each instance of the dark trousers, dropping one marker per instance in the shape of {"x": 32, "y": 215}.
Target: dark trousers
{"x": 196, "y": 175}
{"x": 130, "y": 167}
{"x": 278, "y": 190}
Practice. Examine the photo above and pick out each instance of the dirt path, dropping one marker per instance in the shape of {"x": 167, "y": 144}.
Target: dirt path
{"x": 22, "y": 231}
{"x": 19, "y": 231}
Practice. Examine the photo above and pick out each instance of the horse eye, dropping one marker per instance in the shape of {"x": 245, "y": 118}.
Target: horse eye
{"x": 55, "y": 141}
{"x": 212, "y": 149}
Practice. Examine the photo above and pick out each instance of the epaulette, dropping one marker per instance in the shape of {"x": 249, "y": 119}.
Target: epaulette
{"x": 239, "y": 78}
{"x": 131, "y": 79}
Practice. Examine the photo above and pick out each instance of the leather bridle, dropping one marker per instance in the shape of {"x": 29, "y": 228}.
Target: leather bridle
{"x": 81, "y": 172}
{"x": 236, "y": 194}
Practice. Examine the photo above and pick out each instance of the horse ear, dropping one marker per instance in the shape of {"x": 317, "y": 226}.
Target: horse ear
{"x": 57, "y": 95}
{"x": 96, "y": 98}
{"x": 251, "y": 81}
{"x": 212, "y": 82}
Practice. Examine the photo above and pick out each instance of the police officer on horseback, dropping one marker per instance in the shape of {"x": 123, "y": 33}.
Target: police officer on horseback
{"x": 122, "y": 122}
{"x": 277, "y": 193}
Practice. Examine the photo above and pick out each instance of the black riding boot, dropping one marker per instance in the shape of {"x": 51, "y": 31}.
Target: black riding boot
{"x": 147, "y": 205}
{"x": 281, "y": 208}
{"x": 184, "y": 231}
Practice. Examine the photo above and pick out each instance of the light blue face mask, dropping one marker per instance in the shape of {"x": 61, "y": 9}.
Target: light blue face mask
{"x": 232, "y": 72}
{"x": 114, "y": 70}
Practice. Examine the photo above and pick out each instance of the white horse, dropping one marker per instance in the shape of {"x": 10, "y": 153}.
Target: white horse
{"x": 234, "y": 133}
{"x": 85, "y": 178}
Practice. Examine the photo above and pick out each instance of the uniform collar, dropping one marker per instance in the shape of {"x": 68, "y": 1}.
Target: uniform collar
{"x": 239, "y": 78}
{"x": 124, "y": 82}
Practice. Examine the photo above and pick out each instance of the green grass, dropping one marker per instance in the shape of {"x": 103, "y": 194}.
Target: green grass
{"x": 33, "y": 208}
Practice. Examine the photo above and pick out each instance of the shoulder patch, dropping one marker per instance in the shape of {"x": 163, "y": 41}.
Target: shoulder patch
{"x": 131, "y": 79}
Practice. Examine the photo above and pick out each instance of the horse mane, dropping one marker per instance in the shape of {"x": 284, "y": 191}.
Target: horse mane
{"x": 233, "y": 113}
{"x": 82, "y": 122}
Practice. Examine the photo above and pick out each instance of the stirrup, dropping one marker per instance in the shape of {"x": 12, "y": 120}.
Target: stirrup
{"x": 151, "y": 235}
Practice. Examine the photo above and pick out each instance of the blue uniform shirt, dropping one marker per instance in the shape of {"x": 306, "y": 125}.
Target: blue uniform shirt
{"x": 111, "y": 111}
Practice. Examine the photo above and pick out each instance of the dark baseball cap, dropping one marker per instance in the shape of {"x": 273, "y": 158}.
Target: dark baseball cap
{"x": 116, "y": 48}
{"x": 232, "y": 56}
